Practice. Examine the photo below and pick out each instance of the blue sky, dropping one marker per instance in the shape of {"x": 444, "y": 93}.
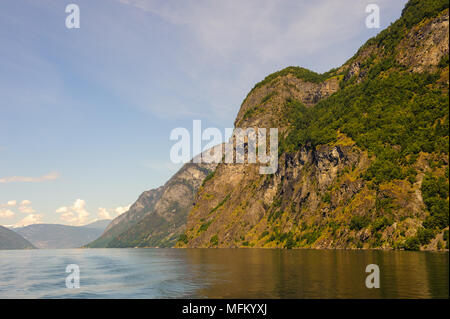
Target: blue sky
{"x": 86, "y": 114}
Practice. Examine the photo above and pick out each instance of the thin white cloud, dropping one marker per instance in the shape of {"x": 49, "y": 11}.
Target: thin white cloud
{"x": 228, "y": 46}
{"x": 103, "y": 213}
{"x": 28, "y": 179}
{"x": 29, "y": 220}
{"x": 6, "y": 213}
{"x": 10, "y": 203}
{"x": 75, "y": 215}
{"x": 25, "y": 207}
{"x": 264, "y": 29}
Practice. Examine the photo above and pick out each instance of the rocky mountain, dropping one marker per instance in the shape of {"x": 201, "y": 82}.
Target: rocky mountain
{"x": 363, "y": 155}
{"x": 55, "y": 236}
{"x": 159, "y": 215}
{"x": 11, "y": 240}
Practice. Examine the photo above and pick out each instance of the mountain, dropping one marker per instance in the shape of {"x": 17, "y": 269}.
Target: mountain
{"x": 159, "y": 215}
{"x": 99, "y": 224}
{"x": 11, "y": 240}
{"x": 363, "y": 153}
{"x": 55, "y": 236}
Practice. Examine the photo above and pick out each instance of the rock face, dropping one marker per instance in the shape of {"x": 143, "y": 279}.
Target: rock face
{"x": 425, "y": 45}
{"x": 158, "y": 217}
{"x": 130, "y": 218}
{"x": 265, "y": 107}
{"x": 313, "y": 196}
{"x": 11, "y": 240}
{"x": 323, "y": 194}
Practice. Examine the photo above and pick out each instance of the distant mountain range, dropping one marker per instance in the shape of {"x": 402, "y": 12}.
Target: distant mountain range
{"x": 55, "y": 236}
{"x": 11, "y": 240}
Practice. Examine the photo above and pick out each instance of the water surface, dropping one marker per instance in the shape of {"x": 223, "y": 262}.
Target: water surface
{"x": 222, "y": 273}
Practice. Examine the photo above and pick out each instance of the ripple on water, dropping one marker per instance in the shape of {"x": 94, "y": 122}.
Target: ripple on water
{"x": 221, "y": 273}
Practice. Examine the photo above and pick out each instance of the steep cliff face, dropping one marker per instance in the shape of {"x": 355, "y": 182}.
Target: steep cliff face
{"x": 265, "y": 105}
{"x": 158, "y": 217}
{"x": 363, "y": 151}
{"x": 425, "y": 44}
{"x": 123, "y": 222}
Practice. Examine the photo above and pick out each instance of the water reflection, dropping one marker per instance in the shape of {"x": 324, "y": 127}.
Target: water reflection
{"x": 259, "y": 273}
{"x": 222, "y": 273}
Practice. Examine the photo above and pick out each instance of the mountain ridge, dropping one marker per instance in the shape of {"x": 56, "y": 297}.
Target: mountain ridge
{"x": 58, "y": 236}
{"x": 10, "y": 240}
{"x": 363, "y": 151}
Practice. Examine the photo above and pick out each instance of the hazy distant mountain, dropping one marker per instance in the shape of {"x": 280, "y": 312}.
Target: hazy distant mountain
{"x": 62, "y": 236}
{"x": 11, "y": 240}
{"x": 99, "y": 224}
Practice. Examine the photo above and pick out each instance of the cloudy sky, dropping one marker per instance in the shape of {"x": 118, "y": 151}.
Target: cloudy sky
{"x": 86, "y": 114}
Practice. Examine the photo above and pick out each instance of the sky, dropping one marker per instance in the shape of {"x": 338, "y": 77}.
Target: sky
{"x": 86, "y": 113}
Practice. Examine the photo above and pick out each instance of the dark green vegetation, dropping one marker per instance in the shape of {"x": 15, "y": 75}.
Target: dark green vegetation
{"x": 298, "y": 72}
{"x": 220, "y": 204}
{"x": 413, "y": 13}
{"x": 435, "y": 196}
{"x": 208, "y": 177}
{"x": 395, "y": 115}
{"x": 394, "y": 118}
{"x": 11, "y": 240}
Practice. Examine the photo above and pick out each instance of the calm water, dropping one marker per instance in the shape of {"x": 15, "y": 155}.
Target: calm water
{"x": 222, "y": 273}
